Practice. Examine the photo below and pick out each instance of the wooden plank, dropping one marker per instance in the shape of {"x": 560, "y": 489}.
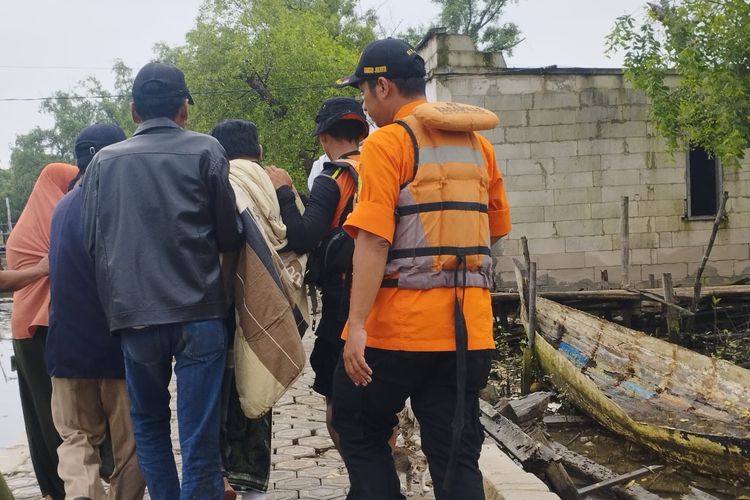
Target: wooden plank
{"x": 657, "y": 298}
{"x": 531, "y": 333}
{"x": 592, "y": 470}
{"x": 631, "y": 295}
{"x": 553, "y": 420}
{"x": 617, "y": 480}
{"x": 526, "y": 254}
{"x": 696, "y": 494}
{"x": 526, "y": 408}
{"x": 673, "y": 319}
{"x": 625, "y": 239}
{"x": 528, "y": 350}
{"x": 528, "y": 452}
{"x": 515, "y": 442}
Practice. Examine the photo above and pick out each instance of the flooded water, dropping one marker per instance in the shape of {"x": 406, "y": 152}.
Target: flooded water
{"x": 11, "y": 418}
{"x": 621, "y": 456}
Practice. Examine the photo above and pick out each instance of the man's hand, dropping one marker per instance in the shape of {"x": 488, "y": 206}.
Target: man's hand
{"x": 354, "y": 357}
{"x": 279, "y": 177}
{"x": 42, "y": 267}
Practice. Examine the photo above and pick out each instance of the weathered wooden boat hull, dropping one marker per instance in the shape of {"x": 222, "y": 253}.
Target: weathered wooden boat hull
{"x": 685, "y": 406}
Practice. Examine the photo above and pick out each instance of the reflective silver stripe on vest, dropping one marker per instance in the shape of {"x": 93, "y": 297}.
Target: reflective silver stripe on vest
{"x": 450, "y": 154}
{"x": 417, "y": 274}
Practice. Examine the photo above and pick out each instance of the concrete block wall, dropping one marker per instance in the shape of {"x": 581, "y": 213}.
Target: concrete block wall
{"x": 571, "y": 143}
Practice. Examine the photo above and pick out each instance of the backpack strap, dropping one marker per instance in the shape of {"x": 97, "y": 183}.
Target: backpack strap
{"x": 337, "y": 168}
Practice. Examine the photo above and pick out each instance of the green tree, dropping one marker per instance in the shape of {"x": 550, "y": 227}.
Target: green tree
{"x": 71, "y": 112}
{"x": 706, "y": 44}
{"x": 480, "y": 19}
{"x": 272, "y": 62}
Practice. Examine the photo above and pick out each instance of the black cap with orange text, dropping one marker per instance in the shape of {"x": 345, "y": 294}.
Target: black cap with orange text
{"x": 389, "y": 58}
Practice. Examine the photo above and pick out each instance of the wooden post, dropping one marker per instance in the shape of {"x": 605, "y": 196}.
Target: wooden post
{"x": 526, "y": 254}
{"x": 625, "y": 241}
{"x": 673, "y": 317}
{"x": 528, "y": 351}
{"x": 651, "y": 281}
{"x": 706, "y": 254}
{"x": 531, "y": 334}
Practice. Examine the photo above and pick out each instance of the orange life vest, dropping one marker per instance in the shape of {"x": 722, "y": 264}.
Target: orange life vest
{"x": 331, "y": 260}
{"x": 347, "y": 187}
{"x": 442, "y": 225}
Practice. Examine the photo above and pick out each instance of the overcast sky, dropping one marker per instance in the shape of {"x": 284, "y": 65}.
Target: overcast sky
{"x": 49, "y": 45}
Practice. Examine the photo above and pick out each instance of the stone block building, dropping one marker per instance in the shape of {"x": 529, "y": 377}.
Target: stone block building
{"x": 571, "y": 143}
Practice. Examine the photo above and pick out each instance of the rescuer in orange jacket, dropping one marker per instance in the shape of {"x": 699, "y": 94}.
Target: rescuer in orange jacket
{"x": 430, "y": 204}
{"x": 340, "y": 126}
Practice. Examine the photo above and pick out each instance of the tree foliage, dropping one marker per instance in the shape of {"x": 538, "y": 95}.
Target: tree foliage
{"x": 35, "y": 149}
{"x": 272, "y": 62}
{"x": 480, "y": 19}
{"x": 707, "y": 44}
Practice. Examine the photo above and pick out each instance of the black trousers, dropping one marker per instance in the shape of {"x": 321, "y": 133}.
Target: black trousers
{"x": 365, "y": 417}
{"x": 36, "y": 400}
{"x": 245, "y": 443}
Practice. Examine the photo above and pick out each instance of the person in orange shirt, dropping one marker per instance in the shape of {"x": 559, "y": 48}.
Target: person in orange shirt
{"x": 27, "y": 247}
{"x": 431, "y": 203}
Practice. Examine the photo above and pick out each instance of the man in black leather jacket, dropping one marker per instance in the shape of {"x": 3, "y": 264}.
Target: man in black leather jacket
{"x": 157, "y": 210}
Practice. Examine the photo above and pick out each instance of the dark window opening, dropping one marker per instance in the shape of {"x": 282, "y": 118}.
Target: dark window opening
{"x": 704, "y": 184}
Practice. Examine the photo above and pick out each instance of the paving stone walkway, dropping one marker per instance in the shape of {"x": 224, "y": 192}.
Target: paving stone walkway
{"x": 305, "y": 463}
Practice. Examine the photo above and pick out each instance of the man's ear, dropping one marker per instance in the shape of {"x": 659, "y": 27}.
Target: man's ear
{"x": 383, "y": 87}
{"x": 134, "y": 114}
{"x": 260, "y": 152}
{"x": 182, "y": 114}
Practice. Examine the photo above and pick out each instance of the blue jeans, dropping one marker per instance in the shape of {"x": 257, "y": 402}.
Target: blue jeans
{"x": 199, "y": 349}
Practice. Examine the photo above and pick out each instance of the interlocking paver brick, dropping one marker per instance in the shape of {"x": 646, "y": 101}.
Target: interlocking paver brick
{"x": 283, "y": 495}
{"x": 297, "y": 451}
{"x": 278, "y": 475}
{"x": 333, "y": 455}
{"x": 280, "y": 457}
{"x": 306, "y": 424}
{"x": 292, "y": 434}
{"x": 297, "y": 483}
{"x": 280, "y": 443}
{"x": 340, "y": 480}
{"x": 322, "y": 493}
{"x": 296, "y": 464}
{"x": 320, "y": 471}
{"x": 318, "y": 443}
{"x": 310, "y": 400}
{"x": 286, "y": 399}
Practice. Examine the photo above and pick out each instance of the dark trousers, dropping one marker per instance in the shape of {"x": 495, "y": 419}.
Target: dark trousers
{"x": 245, "y": 442}
{"x": 199, "y": 349}
{"x": 36, "y": 400}
{"x": 364, "y": 418}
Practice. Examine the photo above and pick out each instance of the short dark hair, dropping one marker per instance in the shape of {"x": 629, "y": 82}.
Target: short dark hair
{"x": 161, "y": 107}
{"x": 238, "y": 137}
{"x": 347, "y": 130}
{"x": 407, "y": 87}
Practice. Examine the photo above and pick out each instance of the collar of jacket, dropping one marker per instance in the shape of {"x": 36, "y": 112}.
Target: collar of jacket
{"x": 153, "y": 123}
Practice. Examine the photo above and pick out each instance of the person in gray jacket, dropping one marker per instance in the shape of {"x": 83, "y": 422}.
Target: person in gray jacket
{"x": 157, "y": 210}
